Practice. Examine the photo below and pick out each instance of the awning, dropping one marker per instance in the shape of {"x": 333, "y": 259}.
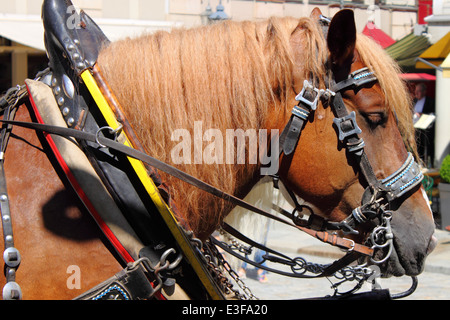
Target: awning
{"x": 417, "y": 77}
{"x": 406, "y": 50}
{"x": 378, "y": 35}
{"x": 28, "y": 29}
{"x": 436, "y": 53}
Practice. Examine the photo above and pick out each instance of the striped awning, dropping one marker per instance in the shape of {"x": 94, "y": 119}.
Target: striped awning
{"x": 436, "y": 53}
{"x": 406, "y": 50}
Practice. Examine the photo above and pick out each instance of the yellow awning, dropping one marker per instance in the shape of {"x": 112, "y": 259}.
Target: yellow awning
{"x": 436, "y": 53}
{"x": 446, "y": 67}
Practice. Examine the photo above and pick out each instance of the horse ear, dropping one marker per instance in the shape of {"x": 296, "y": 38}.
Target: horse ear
{"x": 315, "y": 14}
{"x": 342, "y": 36}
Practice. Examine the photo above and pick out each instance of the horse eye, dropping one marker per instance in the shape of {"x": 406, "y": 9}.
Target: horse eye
{"x": 375, "y": 119}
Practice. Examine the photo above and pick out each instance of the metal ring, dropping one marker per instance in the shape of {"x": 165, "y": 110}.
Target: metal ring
{"x": 166, "y": 264}
{"x": 388, "y": 255}
{"x": 380, "y": 230}
{"x": 97, "y": 135}
{"x": 115, "y": 132}
{"x": 165, "y": 255}
{"x": 175, "y": 264}
{"x": 352, "y": 246}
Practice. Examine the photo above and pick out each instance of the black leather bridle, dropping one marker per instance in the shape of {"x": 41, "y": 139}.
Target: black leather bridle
{"x": 379, "y": 193}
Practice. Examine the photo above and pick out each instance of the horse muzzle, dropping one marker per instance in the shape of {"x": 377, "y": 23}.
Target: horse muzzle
{"x": 413, "y": 240}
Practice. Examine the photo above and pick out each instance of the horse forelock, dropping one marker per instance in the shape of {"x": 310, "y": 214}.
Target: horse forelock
{"x": 227, "y": 76}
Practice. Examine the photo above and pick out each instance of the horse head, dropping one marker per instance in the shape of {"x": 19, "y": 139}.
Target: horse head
{"x": 247, "y": 77}
{"x": 328, "y": 176}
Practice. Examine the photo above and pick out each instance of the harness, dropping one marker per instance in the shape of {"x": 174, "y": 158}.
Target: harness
{"x": 11, "y": 255}
{"x": 94, "y": 118}
{"x": 379, "y": 193}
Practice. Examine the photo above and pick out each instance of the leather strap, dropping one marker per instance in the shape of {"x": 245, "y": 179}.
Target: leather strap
{"x": 291, "y": 134}
{"x": 85, "y": 136}
{"x": 341, "y": 112}
{"x": 128, "y": 284}
{"x": 11, "y": 255}
{"x": 307, "y": 100}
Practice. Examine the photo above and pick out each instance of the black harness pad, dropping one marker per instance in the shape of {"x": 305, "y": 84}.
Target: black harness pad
{"x": 73, "y": 42}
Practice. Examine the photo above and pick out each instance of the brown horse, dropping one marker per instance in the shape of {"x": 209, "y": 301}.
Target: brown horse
{"x": 233, "y": 75}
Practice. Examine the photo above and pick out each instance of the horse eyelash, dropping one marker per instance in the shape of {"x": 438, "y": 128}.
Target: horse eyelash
{"x": 381, "y": 118}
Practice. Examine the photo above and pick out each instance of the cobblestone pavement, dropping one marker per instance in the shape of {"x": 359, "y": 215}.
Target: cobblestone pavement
{"x": 434, "y": 282}
{"x": 432, "y": 286}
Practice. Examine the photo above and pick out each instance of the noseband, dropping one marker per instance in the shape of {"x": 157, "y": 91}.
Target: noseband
{"x": 379, "y": 193}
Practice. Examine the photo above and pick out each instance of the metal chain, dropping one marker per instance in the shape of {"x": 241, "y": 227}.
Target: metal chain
{"x": 216, "y": 263}
{"x": 247, "y": 293}
{"x": 359, "y": 273}
{"x": 235, "y": 244}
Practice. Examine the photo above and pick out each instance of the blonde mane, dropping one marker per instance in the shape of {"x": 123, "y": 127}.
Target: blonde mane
{"x": 228, "y": 76}
{"x": 395, "y": 91}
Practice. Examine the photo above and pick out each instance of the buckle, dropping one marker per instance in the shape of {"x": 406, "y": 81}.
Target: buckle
{"x": 347, "y": 226}
{"x": 347, "y": 126}
{"x": 308, "y": 88}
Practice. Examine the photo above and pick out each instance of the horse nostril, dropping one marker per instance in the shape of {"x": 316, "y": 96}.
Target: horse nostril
{"x": 432, "y": 244}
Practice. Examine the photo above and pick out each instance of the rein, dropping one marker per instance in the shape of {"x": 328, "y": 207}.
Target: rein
{"x": 131, "y": 152}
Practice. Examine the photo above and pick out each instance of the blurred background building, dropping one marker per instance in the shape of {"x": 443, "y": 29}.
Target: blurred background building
{"x": 21, "y": 42}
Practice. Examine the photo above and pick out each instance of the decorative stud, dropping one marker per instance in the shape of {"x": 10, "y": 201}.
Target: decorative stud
{"x": 68, "y": 87}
